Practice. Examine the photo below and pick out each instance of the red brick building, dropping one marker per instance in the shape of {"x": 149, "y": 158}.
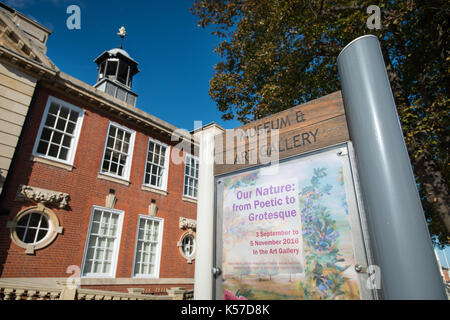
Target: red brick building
{"x": 446, "y": 275}
{"x": 96, "y": 188}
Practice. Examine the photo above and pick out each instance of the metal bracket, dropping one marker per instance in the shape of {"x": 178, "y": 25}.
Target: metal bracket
{"x": 360, "y": 269}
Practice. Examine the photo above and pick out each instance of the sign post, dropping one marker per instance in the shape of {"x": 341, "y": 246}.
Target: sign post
{"x": 398, "y": 230}
{"x": 205, "y": 218}
{"x": 318, "y": 201}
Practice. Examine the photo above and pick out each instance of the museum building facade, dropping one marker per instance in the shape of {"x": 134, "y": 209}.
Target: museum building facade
{"x": 91, "y": 189}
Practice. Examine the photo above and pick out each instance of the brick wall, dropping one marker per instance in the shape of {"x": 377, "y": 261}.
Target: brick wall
{"x": 86, "y": 190}
{"x": 446, "y": 275}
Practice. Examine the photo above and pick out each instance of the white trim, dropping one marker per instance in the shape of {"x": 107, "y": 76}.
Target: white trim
{"x": 127, "y": 169}
{"x": 189, "y": 199}
{"x": 184, "y": 176}
{"x": 76, "y": 134}
{"x": 113, "y": 178}
{"x": 116, "y": 249}
{"x": 165, "y": 177}
{"x": 154, "y": 190}
{"x": 159, "y": 249}
{"x": 53, "y": 163}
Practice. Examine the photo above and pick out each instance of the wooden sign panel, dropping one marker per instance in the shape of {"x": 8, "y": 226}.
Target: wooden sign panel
{"x": 304, "y": 128}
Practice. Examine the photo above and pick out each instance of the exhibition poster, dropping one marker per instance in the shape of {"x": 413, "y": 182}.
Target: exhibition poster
{"x": 287, "y": 235}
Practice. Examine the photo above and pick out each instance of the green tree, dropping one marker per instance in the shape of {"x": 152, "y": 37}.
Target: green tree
{"x": 279, "y": 53}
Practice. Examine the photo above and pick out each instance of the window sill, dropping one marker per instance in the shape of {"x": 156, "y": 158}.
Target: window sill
{"x": 188, "y": 199}
{"x": 143, "y": 277}
{"x": 97, "y": 276}
{"x": 113, "y": 179}
{"x": 50, "y": 162}
{"x": 154, "y": 190}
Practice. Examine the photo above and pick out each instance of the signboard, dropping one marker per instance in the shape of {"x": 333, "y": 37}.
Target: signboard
{"x": 289, "y": 228}
{"x": 295, "y": 234}
{"x": 317, "y": 124}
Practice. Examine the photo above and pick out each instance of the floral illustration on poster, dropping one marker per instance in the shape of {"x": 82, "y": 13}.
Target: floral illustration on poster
{"x": 288, "y": 236}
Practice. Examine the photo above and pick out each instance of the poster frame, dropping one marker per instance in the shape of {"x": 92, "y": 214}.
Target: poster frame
{"x": 361, "y": 241}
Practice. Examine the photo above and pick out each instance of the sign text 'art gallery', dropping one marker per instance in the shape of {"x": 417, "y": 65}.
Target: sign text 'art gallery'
{"x": 298, "y": 130}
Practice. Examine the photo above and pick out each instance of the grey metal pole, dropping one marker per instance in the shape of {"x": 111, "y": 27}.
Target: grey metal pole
{"x": 399, "y": 235}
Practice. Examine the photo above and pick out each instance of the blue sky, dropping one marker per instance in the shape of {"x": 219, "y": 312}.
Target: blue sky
{"x": 444, "y": 259}
{"x": 175, "y": 56}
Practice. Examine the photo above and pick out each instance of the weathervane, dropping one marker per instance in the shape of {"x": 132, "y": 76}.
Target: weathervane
{"x": 122, "y": 33}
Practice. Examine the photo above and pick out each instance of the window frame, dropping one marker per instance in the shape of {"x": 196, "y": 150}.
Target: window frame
{"x": 127, "y": 168}
{"x": 54, "y": 229}
{"x": 116, "y": 250}
{"x": 27, "y": 227}
{"x": 159, "y": 248}
{"x": 165, "y": 176}
{"x": 184, "y": 175}
{"x": 76, "y": 135}
{"x": 192, "y": 246}
{"x": 183, "y": 237}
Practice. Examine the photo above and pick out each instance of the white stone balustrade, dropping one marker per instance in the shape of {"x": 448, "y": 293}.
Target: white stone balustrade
{"x": 21, "y": 291}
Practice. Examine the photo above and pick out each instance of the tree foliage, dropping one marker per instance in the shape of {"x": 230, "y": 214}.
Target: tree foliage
{"x": 279, "y": 53}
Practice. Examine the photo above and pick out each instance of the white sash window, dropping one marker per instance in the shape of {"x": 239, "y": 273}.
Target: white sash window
{"x": 59, "y": 131}
{"x": 148, "y": 247}
{"x": 191, "y": 177}
{"x": 103, "y": 241}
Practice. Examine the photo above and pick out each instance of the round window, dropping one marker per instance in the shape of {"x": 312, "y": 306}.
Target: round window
{"x": 32, "y": 228}
{"x": 187, "y": 246}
